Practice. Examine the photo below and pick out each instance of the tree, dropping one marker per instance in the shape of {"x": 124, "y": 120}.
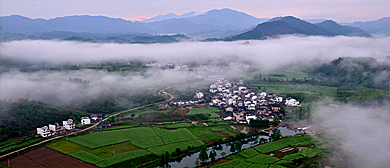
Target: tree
{"x": 233, "y": 148}
{"x": 223, "y": 154}
{"x": 166, "y": 157}
{"x": 276, "y": 121}
{"x": 203, "y": 155}
{"x": 276, "y": 135}
{"x": 212, "y": 155}
{"x": 238, "y": 145}
{"x": 262, "y": 140}
{"x": 178, "y": 151}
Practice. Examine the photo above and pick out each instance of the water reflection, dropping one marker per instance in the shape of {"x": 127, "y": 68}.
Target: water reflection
{"x": 222, "y": 150}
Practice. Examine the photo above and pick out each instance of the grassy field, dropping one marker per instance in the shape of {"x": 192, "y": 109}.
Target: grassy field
{"x": 325, "y": 91}
{"x": 209, "y": 110}
{"x": 66, "y": 147}
{"x": 87, "y": 157}
{"x": 159, "y": 150}
{"x": 211, "y": 133}
{"x": 259, "y": 156}
{"x": 123, "y": 157}
{"x": 107, "y": 148}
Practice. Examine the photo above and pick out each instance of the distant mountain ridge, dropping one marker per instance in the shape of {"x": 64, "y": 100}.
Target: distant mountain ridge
{"x": 380, "y": 26}
{"x": 292, "y": 25}
{"x": 224, "y": 21}
{"x": 169, "y": 16}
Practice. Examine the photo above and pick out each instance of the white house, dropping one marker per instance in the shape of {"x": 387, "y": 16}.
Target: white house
{"x": 241, "y": 88}
{"x": 248, "y": 117}
{"x": 85, "y": 120}
{"x": 228, "y": 118}
{"x": 199, "y": 95}
{"x": 263, "y": 94}
{"x": 277, "y": 99}
{"x": 44, "y": 131}
{"x": 252, "y": 107}
{"x": 94, "y": 117}
{"x": 292, "y": 102}
{"x": 68, "y": 124}
{"x": 56, "y": 129}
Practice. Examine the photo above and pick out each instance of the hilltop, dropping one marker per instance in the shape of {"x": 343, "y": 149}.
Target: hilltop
{"x": 292, "y": 25}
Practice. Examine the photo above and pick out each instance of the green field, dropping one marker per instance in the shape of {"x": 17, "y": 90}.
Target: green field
{"x": 282, "y": 143}
{"x": 178, "y": 125}
{"x": 104, "y": 138}
{"x": 259, "y": 156}
{"x": 211, "y": 133}
{"x": 325, "y": 91}
{"x": 123, "y": 157}
{"x": 111, "y": 148}
{"x": 263, "y": 159}
{"x": 249, "y": 153}
{"x": 209, "y": 110}
{"x": 66, "y": 147}
{"x": 230, "y": 164}
{"x": 87, "y": 157}
{"x": 159, "y": 150}
{"x": 243, "y": 165}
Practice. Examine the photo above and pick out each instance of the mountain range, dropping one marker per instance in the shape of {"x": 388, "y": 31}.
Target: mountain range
{"x": 214, "y": 23}
{"x": 291, "y": 25}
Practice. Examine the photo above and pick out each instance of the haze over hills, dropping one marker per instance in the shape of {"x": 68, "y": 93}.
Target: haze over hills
{"x": 380, "y": 26}
{"x": 170, "y": 16}
{"x": 291, "y": 25}
{"x": 224, "y": 22}
{"x": 212, "y": 24}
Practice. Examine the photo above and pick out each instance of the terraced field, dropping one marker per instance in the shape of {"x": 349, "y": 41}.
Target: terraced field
{"x": 269, "y": 155}
{"x": 111, "y": 148}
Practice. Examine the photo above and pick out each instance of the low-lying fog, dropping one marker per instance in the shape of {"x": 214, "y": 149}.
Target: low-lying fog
{"x": 365, "y": 132}
{"x": 362, "y": 131}
{"x": 266, "y": 53}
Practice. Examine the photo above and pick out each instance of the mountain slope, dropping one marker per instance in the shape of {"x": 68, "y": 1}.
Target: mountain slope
{"x": 292, "y": 25}
{"x": 342, "y": 30}
{"x": 223, "y": 20}
{"x": 380, "y": 26}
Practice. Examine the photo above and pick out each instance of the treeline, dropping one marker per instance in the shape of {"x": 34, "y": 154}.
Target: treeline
{"x": 361, "y": 95}
{"x": 354, "y": 72}
{"x": 20, "y": 117}
{"x": 303, "y": 97}
{"x": 298, "y": 113}
{"x": 280, "y": 78}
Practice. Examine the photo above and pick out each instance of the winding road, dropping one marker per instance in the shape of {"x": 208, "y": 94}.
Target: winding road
{"x": 72, "y": 133}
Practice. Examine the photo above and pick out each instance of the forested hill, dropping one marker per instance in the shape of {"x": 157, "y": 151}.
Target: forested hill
{"x": 292, "y": 25}
{"x": 355, "y": 72}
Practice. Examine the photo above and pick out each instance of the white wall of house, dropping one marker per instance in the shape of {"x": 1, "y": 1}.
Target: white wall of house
{"x": 68, "y": 124}
{"x": 85, "y": 120}
{"x": 292, "y": 102}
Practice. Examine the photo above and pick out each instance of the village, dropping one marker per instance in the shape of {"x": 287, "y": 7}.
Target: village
{"x": 70, "y": 125}
{"x": 239, "y": 104}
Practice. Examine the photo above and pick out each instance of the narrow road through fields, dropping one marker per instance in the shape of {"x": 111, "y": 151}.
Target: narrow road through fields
{"x": 113, "y": 115}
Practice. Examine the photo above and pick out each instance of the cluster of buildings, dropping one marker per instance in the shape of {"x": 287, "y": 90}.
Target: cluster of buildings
{"x": 245, "y": 104}
{"x": 240, "y": 103}
{"x": 68, "y": 125}
{"x": 55, "y": 128}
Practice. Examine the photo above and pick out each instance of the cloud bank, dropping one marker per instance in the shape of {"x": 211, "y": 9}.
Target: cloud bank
{"x": 266, "y": 53}
{"x": 362, "y": 131}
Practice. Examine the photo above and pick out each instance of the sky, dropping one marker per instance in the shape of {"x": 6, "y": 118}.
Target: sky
{"x": 338, "y": 10}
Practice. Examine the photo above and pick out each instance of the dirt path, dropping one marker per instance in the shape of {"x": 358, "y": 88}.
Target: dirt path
{"x": 57, "y": 137}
